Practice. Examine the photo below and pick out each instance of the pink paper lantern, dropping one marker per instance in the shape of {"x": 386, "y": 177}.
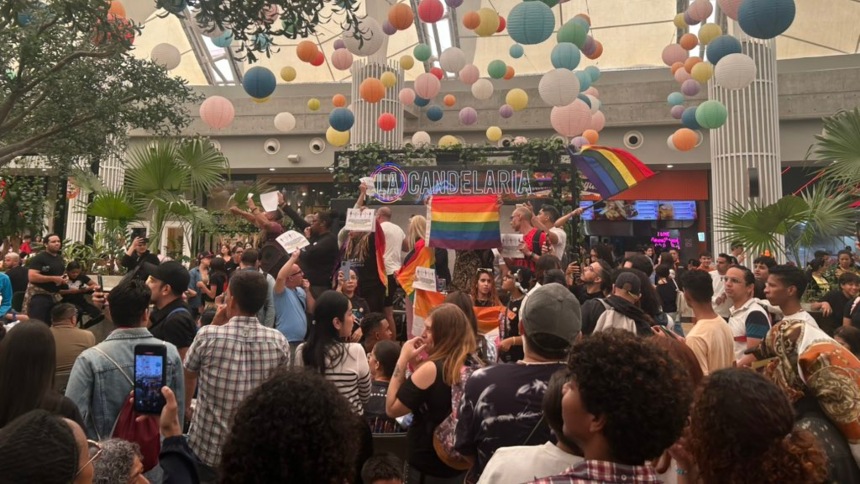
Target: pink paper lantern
{"x": 700, "y": 10}
{"x": 431, "y": 11}
{"x": 217, "y": 112}
{"x": 341, "y": 59}
{"x": 592, "y": 91}
{"x": 598, "y": 121}
{"x": 571, "y": 120}
{"x": 690, "y": 87}
{"x": 677, "y": 111}
{"x": 406, "y": 96}
{"x": 730, "y": 7}
{"x": 469, "y": 74}
{"x": 468, "y": 116}
{"x": 427, "y": 85}
{"x": 682, "y": 75}
{"x": 579, "y": 142}
{"x": 506, "y": 111}
{"x": 673, "y": 53}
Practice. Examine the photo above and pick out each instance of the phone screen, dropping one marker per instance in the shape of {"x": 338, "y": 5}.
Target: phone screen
{"x": 345, "y": 269}
{"x": 148, "y": 380}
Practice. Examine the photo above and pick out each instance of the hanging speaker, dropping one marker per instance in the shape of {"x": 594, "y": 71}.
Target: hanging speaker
{"x": 752, "y": 173}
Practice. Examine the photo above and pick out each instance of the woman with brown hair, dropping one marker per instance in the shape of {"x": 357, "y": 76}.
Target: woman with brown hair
{"x": 426, "y": 393}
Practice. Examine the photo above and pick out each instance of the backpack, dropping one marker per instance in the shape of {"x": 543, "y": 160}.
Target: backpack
{"x": 443, "y": 434}
{"x": 145, "y": 433}
{"x": 612, "y": 319}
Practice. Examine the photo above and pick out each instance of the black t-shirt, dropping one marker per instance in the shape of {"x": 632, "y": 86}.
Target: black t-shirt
{"x": 582, "y": 294}
{"x": 837, "y": 300}
{"x": 79, "y": 283}
{"x": 18, "y": 277}
{"x": 319, "y": 258}
{"x": 360, "y": 308}
{"x": 231, "y": 266}
{"x": 511, "y": 327}
{"x": 668, "y": 294}
{"x": 174, "y": 323}
{"x": 219, "y": 280}
{"x": 429, "y": 408}
{"x": 501, "y": 407}
{"x": 374, "y": 410}
{"x": 48, "y": 265}
{"x": 135, "y": 259}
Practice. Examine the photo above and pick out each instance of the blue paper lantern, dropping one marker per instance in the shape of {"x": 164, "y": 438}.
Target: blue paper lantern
{"x": 689, "y": 118}
{"x": 584, "y": 80}
{"x": 259, "y": 82}
{"x": 765, "y": 19}
{"x": 593, "y": 72}
{"x": 530, "y": 23}
{"x": 224, "y": 40}
{"x": 721, "y": 47}
{"x": 341, "y": 119}
{"x": 435, "y": 113}
{"x": 565, "y": 56}
{"x": 675, "y": 99}
{"x": 421, "y": 102}
{"x": 261, "y": 41}
{"x": 516, "y": 51}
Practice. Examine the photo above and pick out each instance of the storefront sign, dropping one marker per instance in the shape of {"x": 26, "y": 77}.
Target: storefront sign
{"x": 391, "y": 183}
{"x": 665, "y": 240}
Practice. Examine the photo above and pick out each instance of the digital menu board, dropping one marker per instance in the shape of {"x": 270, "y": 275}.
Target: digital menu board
{"x": 641, "y": 210}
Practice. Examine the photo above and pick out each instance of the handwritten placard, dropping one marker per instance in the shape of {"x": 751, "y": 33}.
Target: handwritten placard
{"x": 370, "y": 183}
{"x": 269, "y": 201}
{"x": 511, "y": 246}
{"x": 358, "y": 220}
{"x": 425, "y": 279}
{"x": 292, "y": 241}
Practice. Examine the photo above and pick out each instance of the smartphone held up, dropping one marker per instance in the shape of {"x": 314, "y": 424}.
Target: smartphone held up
{"x": 149, "y": 376}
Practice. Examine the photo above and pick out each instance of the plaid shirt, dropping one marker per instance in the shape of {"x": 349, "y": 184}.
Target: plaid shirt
{"x": 596, "y": 471}
{"x": 231, "y": 361}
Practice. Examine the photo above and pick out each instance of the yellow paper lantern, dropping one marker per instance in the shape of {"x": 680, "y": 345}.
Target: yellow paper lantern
{"x": 261, "y": 100}
{"x": 288, "y": 73}
{"x": 517, "y": 99}
{"x": 702, "y": 72}
{"x": 709, "y": 32}
{"x": 489, "y": 22}
{"x": 388, "y": 79}
{"x": 494, "y": 133}
{"x": 448, "y": 140}
{"x": 336, "y": 138}
{"x": 313, "y": 104}
{"x": 406, "y": 62}
{"x": 679, "y": 21}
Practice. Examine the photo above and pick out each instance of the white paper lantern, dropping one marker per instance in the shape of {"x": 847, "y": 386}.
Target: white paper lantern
{"x": 285, "y": 122}
{"x": 571, "y": 120}
{"x": 452, "y": 59}
{"x": 166, "y": 55}
{"x": 670, "y": 143}
{"x": 420, "y": 138}
{"x": 558, "y": 87}
{"x": 482, "y": 89}
{"x": 370, "y": 39}
{"x": 735, "y": 71}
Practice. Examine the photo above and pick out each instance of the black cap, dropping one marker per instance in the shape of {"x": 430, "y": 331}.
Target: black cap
{"x": 172, "y": 273}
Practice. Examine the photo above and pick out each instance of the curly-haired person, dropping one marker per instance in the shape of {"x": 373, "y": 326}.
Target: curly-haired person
{"x": 295, "y": 427}
{"x": 625, "y": 403}
{"x": 742, "y": 430}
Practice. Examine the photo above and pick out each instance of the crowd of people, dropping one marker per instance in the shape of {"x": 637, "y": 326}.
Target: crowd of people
{"x": 550, "y": 367}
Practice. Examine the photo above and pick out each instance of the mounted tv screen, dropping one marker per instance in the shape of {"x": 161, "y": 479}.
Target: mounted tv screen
{"x": 641, "y": 210}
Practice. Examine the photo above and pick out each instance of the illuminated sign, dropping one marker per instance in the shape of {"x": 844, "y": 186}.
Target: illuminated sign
{"x": 391, "y": 183}
{"x": 665, "y": 240}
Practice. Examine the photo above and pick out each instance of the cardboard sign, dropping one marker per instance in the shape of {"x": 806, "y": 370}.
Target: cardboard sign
{"x": 370, "y": 184}
{"x": 358, "y": 220}
{"x": 425, "y": 279}
{"x": 292, "y": 241}
{"x": 269, "y": 201}
{"x": 511, "y": 246}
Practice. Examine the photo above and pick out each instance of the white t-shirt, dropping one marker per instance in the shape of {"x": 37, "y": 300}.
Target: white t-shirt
{"x": 524, "y": 463}
{"x": 724, "y": 309}
{"x": 558, "y": 249}
{"x": 351, "y": 376}
{"x": 802, "y": 316}
{"x": 393, "y": 247}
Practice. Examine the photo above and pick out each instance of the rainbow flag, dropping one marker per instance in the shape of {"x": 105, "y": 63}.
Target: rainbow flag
{"x": 420, "y": 257}
{"x": 610, "y": 170}
{"x": 423, "y": 303}
{"x": 488, "y": 317}
{"x": 464, "y": 222}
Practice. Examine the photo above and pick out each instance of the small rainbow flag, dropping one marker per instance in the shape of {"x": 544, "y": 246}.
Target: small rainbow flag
{"x": 610, "y": 170}
{"x": 464, "y": 222}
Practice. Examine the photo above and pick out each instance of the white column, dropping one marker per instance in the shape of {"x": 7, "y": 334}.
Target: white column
{"x": 112, "y": 175}
{"x": 366, "y": 114}
{"x": 76, "y": 212}
{"x": 748, "y": 140}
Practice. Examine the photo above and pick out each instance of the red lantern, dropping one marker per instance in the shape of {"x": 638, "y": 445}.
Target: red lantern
{"x": 430, "y": 11}
{"x": 386, "y": 121}
{"x": 318, "y": 59}
{"x": 438, "y": 72}
{"x": 502, "y": 24}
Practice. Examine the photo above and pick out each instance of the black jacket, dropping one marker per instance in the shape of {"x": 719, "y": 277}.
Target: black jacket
{"x": 134, "y": 260}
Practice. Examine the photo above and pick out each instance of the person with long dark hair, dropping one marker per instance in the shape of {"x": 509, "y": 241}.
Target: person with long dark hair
{"x": 216, "y": 283}
{"x": 325, "y": 351}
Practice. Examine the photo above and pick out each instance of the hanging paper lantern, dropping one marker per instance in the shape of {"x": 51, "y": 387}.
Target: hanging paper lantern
{"x": 677, "y": 111}
{"x": 422, "y": 52}
{"x": 224, "y": 40}
{"x": 306, "y": 51}
{"x": 337, "y": 138}
{"x": 593, "y": 72}
{"x": 506, "y": 111}
{"x": 578, "y": 142}
{"x": 676, "y": 66}
{"x": 591, "y": 135}
{"x": 338, "y": 100}
{"x": 420, "y": 138}
{"x": 682, "y": 75}
{"x": 494, "y": 133}
{"x": 688, "y": 119}
{"x": 400, "y": 16}
{"x": 679, "y": 21}
{"x": 319, "y": 59}
{"x": 448, "y": 141}
{"x": 517, "y": 99}
{"x": 341, "y": 119}
{"x": 386, "y": 122}
{"x": 427, "y": 85}
{"x": 592, "y": 91}
{"x": 406, "y": 62}
{"x": 387, "y": 28}
{"x": 341, "y": 59}
{"x": 573, "y": 31}
{"x": 452, "y": 59}
{"x": 570, "y": 120}
{"x": 435, "y": 113}
{"x": 689, "y": 41}
{"x": 730, "y": 7}
{"x": 709, "y": 32}
{"x": 288, "y": 73}
{"x": 217, "y": 112}
{"x": 449, "y": 100}
{"x": 166, "y": 55}
{"x": 259, "y": 82}
{"x": 388, "y": 79}
{"x": 339, "y": 44}
{"x": 735, "y": 71}
{"x": 516, "y": 51}
{"x": 765, "y": 19}
{"x": 585, "y": 99}
{"x": 673, "y": 53}
{"x": 371, "y": 90}
{"x": 313, "y": 104}
{"x": 700, "y": 10}
{"x": 285, "y": 122}
{"x": 690, "y": 87}
{"x": 482, "y": 89}
{"x": 502, "y": 24}
{"x": 421, "y": 102}
{"x": 530, "y": 23}
{"x": 520, "y": 140}
{"x": 690, "y": 20}
{"x": 471, "y": 20}
{"x": 468, "y": 116}
{"x": 671, "y": 144}
{"x": 116, "y": 8}
{"x": 406, "y": 96}
{"x": 260, "y": 100}
{"x": 558, "y": 87}
{"x": 437, "y": 72}
{"x": 593, "y": 103}
{"x": 565, "y": 56}
{"x": 262, "y": 41}
{"x": 489, "y": 22}
{"x": 430, "y": 11}
{"x": 453, "y": 3}
{"x": 597, "y": 52}
{"x": 684, "y": 139}
{"x": 598, "y": 121}
{"x": 721, "y": 47}
{"x": 370, "y": 37}
{"x": 496, "y": 68}
{"x": 589, "y": 46}
{"x": 469, "y": 74}
{"x": 691, "y": 62}
{"x": 711, "y": 114}
{"x": 702, "y": 72}
{"x": 675, "y": 99}
{"x": 509, "y": 73}
{"x": 584, "y": 80}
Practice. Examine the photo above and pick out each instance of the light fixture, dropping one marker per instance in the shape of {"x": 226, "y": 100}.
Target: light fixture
{"x": 304, "y": 194}
{"x": 271, "y": 169}
{"x": 670, "y": 166}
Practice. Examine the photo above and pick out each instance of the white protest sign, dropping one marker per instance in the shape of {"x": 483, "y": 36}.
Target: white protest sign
{"x": 425, "y": 279}
{"x": 511, "y": 246}
{"x": 292, "y": 241}
{"x": 370, "y": 183}
{"x": 269, "y": 201}
{"x": 358, "y": 220}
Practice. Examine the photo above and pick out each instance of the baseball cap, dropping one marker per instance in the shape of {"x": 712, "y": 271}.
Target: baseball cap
{"x": 172, "y": 273}
{"x": 205, "y": 255}
{"x": 630, "y": 283}
{"x": 552, "y": 309}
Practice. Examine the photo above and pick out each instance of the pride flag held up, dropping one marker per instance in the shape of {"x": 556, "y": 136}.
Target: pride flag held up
{"x": 610, "y": 170}
{"x": 464, "y": 222}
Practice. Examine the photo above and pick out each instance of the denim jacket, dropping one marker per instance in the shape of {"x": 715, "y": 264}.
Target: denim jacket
{"x": 98, "y": 388}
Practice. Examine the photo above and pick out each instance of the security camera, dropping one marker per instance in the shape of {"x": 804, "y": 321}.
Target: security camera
{"x": 633, "y": 139}
{"x": 272, "y": 146}
{"x": 506, "y": 142}
{"x": 317, "y": 146}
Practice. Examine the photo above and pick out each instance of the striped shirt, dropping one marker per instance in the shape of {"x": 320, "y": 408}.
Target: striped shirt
{"x": 351, "y": 376}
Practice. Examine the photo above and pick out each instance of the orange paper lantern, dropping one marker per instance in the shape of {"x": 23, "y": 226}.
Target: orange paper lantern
{"x": 449, "y": 100}
{"x": 117, "y": 8}
{"x": 400, "y": 16}
{"x": 371, "y": 90}
{"x": 598, "y": 50}
{"x": 306, "y": 51}
{"x": 691, "y": 62}
{"x": 471, "y": 20}
{"x": 591, "y": 135}
{"x": 338, "y": 100}
{"x": 509, "y": 73}
{"x": 689, "y": 41}
{"x": 676, "y": 66}
{"x": 685, "y": 139}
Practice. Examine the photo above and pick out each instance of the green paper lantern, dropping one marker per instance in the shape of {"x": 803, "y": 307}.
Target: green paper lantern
{"x": 422, "y": 52}
{"x": 530, "y": 23}
{"x": 574, "y": 31}
{"x": 711, "y": 114}
{"x": 496, "y": 69}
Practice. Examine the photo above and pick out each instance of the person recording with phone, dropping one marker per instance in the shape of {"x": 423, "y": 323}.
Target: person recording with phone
{"x": 138, "y": 252}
